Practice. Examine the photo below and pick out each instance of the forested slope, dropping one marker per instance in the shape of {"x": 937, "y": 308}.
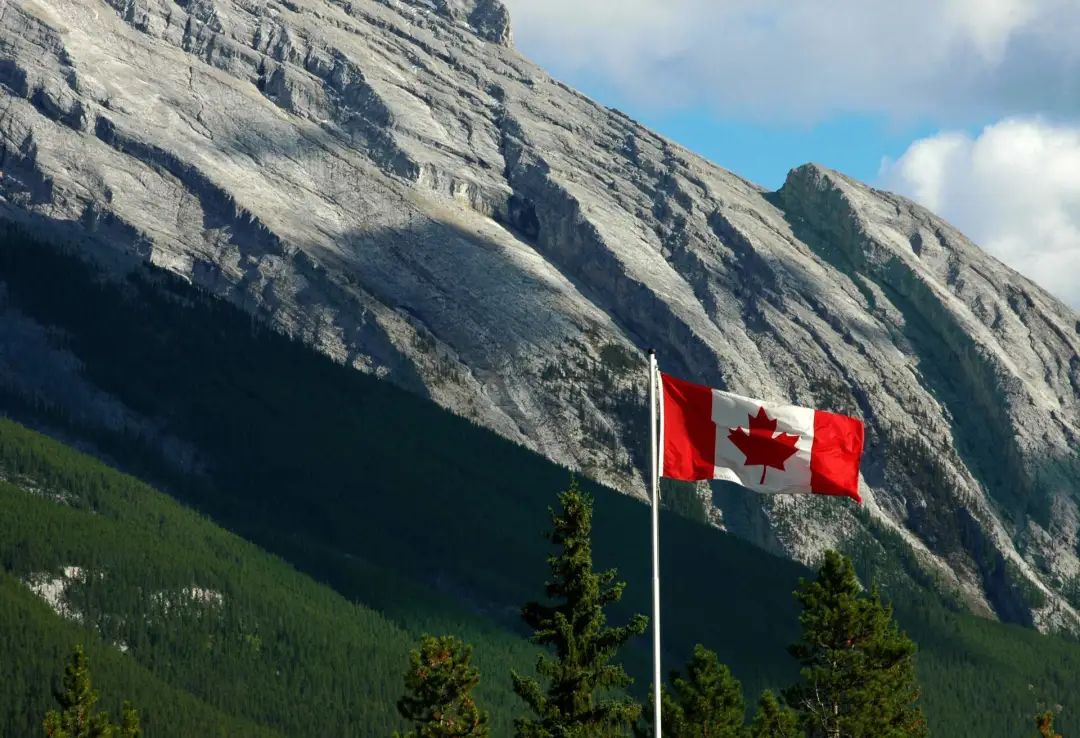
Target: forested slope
{"x": 426, "y": 522}
{"x": 237, "y": 642}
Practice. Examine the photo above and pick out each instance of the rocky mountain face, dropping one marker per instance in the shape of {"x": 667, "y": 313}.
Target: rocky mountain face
{"x": 390, "y": 181}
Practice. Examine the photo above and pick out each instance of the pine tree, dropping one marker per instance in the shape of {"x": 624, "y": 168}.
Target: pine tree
{"x": 438, "y": 691}
{"x": 1044, "y": 722}
{"x": 773, "y": 720}
{"x": 77, "y": 718}
{"x": 706, "y": 703}
{"x": 578, "y": 700}
{"x": 858, "y": 670}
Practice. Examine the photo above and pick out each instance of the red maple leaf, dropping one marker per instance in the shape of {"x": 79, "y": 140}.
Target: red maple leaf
{"x": 762, "y": 445}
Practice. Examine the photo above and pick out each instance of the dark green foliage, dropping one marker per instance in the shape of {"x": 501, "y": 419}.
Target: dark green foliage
{"x": 428, "y": 531}
{"x": 963, "y": 661}
{"x": 858, "y": 670}
{"x": 577, "y": 701}
{"x": 78, "y": 716}
{"x": 773, "y": 720}
{"x": 33, "y": 640}
{"x": 438, "y": 697}
{"x": 130, "y": 725}
{"x": 706, "y": 703}
{"x": 272, "y": 635}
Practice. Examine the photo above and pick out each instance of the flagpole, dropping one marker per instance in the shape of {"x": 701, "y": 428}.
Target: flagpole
{"x": 654, "y": 483}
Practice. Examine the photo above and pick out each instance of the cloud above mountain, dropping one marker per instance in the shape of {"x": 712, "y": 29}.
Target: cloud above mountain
{"x": 782, "y": 61}
{"x": 1014, "y": 189}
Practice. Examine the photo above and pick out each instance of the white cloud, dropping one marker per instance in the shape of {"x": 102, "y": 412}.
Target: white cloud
{"x": 803, "y": 60}
{"x": 1014, "y": 189}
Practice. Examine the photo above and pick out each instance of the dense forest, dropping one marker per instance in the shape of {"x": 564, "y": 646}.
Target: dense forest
{"x": 358, "y": 517}
{"x": 223, "y": 627}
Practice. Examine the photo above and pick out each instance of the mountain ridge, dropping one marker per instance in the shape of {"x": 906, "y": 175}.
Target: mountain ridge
{"x": 420, "y": 203}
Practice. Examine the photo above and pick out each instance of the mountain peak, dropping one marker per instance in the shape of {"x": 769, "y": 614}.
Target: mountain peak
{"x": 488, "y": 18}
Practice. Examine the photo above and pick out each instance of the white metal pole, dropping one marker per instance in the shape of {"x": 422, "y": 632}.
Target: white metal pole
{"x": 654, "y": 481}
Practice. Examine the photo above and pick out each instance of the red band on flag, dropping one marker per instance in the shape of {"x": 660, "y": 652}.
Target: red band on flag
{"x": 689, "y": 431}
{"x": 834, "y": 462}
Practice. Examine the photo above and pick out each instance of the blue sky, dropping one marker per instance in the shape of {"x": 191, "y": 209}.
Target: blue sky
{"x": 764, "y": 152}
{"x": 970, "y": 107}
{"x": 853, "y": 144}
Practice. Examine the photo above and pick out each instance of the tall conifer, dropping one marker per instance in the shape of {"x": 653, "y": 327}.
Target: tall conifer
{"x": 578, "y": 698}
{"x": 858, "y": 668}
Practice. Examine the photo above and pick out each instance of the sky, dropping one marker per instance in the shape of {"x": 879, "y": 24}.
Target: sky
{"x": 970, "y": 107}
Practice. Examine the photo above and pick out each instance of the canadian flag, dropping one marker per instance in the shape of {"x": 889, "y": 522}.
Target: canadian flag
{"x": 710, "y": 434}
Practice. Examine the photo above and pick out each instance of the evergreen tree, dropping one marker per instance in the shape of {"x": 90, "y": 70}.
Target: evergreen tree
{"x": 1044, "y": 722}
{"x": 130, "y": 726}
{"x": 706, "y": 703}
{"x": 438, "y": 691}
{"x": 578, "y": 700}
{"x": 858, "y": 670}
{"x": 77, "y": 718}
{"x": 773, "y": 720}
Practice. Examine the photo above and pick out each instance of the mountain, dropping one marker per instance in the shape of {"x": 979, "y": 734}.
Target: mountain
{"x": 392, "y": 183}
{"x": 361, "y": 534}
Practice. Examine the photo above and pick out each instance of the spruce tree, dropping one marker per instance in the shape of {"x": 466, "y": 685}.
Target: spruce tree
{"x": 706, "y": 703}
{"x": 579, "y": 699}
{"x": 773, "y": 720}
{"x": 77, "y": 717}
{"x": 438, "y": 691}
{"x": 858, "y": 669}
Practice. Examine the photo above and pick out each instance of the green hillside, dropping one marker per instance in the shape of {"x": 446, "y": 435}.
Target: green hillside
{"x": 425, "y": 521}
{"x": 238, "y": 642}
{"x": 35, "y": 643}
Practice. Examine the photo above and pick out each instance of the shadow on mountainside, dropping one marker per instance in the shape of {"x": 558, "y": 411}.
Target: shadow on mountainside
{"x": 376, "y": 492}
